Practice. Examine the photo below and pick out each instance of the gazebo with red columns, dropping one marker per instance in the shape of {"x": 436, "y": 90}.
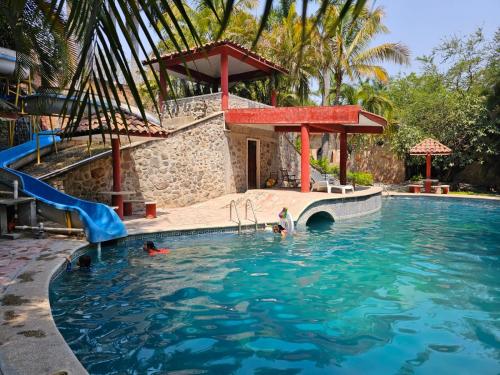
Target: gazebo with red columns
{"x": 346, "y": 119}
{"x": 427, "y": 148}
{"x": 215, "y": 63}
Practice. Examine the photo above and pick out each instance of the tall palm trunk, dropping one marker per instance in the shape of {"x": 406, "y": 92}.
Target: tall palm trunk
{"x": 338, "y": 86}
{"x": 325, "y": 139}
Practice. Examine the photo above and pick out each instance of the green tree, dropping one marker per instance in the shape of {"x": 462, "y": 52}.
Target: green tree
{"x": 283, "y": 44}
{"x": 350, "y": 54}
{"x": 452, "y": 106}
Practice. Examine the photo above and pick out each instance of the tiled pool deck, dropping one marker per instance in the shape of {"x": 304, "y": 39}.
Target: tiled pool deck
{"x": 29, "y": 340}
{"x": 215, "y": 212}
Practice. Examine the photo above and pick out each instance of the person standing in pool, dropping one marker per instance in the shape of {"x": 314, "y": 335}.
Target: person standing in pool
{"x": 286, "y": 220}
{"x": 150, "y": 247}
{"x": 279, "y": 229}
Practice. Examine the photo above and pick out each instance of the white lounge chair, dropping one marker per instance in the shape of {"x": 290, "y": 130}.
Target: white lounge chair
{"x": 326, "y": 185}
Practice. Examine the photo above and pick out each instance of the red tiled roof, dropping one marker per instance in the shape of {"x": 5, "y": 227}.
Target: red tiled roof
{"x": 136, "y": 126}
{"x": 430, "y": 146}
{"x": 208, "y": 46}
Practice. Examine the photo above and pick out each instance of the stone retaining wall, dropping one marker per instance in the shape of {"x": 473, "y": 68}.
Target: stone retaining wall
{"x": 180, "y": 170}
{"x": 200, "y": 106}
{"x": 381, "y": 162}
{"x": 196, "y": 163}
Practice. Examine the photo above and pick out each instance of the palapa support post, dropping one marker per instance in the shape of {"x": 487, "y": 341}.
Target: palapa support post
{"x": 429, "y": 147}
{"x": 343, "y": 159}
{"x": 428, "y": 182}
{"x": 117, "y": 200}
{"x": 274, "y": 94}
{"x": 304, "y": 159}
{"x": 274, "y": 98}
{"x": 224, "y": 80}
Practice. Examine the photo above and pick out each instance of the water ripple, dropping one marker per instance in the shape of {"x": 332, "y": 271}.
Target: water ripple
{"x": 413, "y": 288}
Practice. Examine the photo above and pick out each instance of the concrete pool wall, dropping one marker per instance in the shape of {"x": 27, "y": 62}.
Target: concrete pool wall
{"x": 341, "y": 209}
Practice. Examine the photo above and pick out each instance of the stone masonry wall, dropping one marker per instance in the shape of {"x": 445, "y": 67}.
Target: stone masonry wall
{"x": 237, "y": 143}
{"x": 201, "y": 106}
{"x": 184, "y": 169}
{"x": 196, "y": 163}
{"x": 381, "y": 162}
{"x": 289, "y": 158}
{"x": 195, "y": 106}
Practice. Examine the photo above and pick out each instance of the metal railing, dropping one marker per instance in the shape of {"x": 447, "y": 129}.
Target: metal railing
{"x": 249, "y": 203}
{"x": 231, "y": 205}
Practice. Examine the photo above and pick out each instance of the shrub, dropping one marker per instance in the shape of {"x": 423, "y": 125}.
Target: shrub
{"x": 324, "y": 166}
{"x": 360, "y": 178}
{"x": 416, "y": 178}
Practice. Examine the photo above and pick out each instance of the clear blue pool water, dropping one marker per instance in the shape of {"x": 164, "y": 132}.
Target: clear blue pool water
{"x": 413, "y": 289}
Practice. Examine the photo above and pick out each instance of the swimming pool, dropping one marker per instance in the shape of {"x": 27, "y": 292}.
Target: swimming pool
{"x": 414, "y": 288}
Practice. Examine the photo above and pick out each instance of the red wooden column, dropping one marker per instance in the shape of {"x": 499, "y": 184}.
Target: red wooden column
{"x": 224, "y": 80}
{"x": 304, "y": 159}
{"x": 117, "y": 200}
{"x": 274, "y": 98}
{"x": 274, "y": 95}
{"x": 163, "y": 88}
{"x": 343, "y": 158}
{"x": 428, "y": 164}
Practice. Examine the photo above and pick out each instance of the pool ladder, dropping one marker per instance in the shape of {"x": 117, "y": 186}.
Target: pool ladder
{"x": 248, "y": 203}
{"x": 232, "y": 207}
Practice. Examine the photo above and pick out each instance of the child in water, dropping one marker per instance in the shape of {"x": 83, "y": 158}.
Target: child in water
{"x": 150, "y": 247}
{"x": 279, "y": 229}
{"x": 83, "y": 262}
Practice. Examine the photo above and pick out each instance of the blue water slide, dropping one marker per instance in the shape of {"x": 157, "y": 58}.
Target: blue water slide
{"x": 100, "y": 221}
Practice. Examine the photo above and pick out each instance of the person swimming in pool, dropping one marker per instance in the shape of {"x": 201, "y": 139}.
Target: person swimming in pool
{"x": 150, "y": 247}
{"x": 83, "y": 263}
{"x": 280, "y": 229}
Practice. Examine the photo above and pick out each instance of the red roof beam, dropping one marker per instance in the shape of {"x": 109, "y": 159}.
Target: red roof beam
{"x": 333, "y": 128}
{"x": 373, "y": 117}
{"x": 296, "y": 129}
{"x": 204, "y": 52}
{"x": 348, "y": 114}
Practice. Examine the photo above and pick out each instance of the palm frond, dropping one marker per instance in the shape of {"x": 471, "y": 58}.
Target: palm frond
{"x": 394, "y": 52}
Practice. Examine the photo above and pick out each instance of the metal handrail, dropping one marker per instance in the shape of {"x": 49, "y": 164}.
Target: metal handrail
{"x": 253, "y": 212}
{"x": 231, "y": 204}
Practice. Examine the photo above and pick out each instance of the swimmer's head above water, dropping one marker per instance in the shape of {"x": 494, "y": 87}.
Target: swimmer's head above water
{"x": 149, "y": 245}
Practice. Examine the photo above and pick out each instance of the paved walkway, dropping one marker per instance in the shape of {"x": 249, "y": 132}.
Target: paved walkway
{"x": 16, "y": 255}
{"x": 29, "y": 340}
{"x": 215, "y": 212}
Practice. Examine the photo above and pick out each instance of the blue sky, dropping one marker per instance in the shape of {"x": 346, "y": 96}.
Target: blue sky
{"x": 423, "y": 24}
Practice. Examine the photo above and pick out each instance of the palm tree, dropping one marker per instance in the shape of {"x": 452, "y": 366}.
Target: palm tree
{"x": 348, "y": 38}
{"x": 283, "y": 44}
{"x": 370, "y": 94}
{"x": 354, "y": 58}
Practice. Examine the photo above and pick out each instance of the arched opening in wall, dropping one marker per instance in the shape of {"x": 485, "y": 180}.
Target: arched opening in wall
{"x": 320, "y": 221}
